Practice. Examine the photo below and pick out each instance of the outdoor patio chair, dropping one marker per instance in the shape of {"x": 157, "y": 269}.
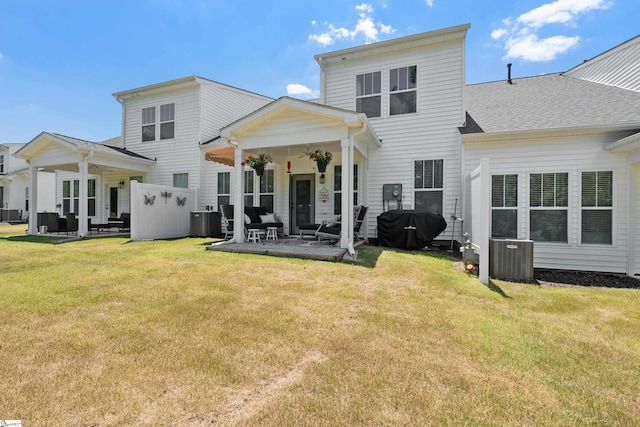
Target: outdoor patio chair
{"x": 226, "y": 212}
{"x": 331, "y": 231}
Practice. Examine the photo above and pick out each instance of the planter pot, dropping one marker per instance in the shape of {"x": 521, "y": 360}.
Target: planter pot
{"x": 322, "y": 167}
{"x": 259, "y": 171}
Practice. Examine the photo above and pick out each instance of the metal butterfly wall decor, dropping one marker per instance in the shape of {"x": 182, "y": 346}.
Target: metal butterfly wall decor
{"x": 148, "y": 200}
{"x": 181, "y": 200}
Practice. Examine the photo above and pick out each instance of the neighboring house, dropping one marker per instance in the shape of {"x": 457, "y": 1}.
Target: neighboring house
{"x": 14, "y": 185}
{"x": 564, "y": 154}
{"x": 563, "y": 149}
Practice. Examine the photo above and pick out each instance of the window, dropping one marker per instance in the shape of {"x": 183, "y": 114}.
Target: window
{"x": 597, "y": 207}
{"x": 428, "y": 185}
{"x": 76, "y": 195}
{"x": 267, "y": 189}
{"x": 248, "y": 188}
{"x": 167, "y": 121}
{"x": 26, "y": 199}
{"x": 149, "y": 124}
{"x": 402, "y": 88}
{"x": 504, "y": 206}
{"x": 1, "y": 163}
{"x": 66, "y": 197}
{"x": 181, "y": 180}
{"x": 224, "y": 188}
{"x": 337, "y": 188}
{"x": 91, "y": 197}
{"x": 368, "y": 90}
{"x": 548, "y": 203}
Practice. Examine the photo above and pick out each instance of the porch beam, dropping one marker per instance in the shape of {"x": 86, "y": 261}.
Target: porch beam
{"x": 346, "y": 229}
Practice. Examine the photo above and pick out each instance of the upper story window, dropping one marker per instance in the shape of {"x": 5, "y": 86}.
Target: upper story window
{"x": 149, "y": 124}
{"x": 167, "y": 122}
{"x": 368, "y": 93}
{"x": 1, "y": 163}
{"x": 402, "y": 90}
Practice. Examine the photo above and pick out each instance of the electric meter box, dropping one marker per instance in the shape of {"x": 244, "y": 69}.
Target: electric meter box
{"x": 392, "y": 192}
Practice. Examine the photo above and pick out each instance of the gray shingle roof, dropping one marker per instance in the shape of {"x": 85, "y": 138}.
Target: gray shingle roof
{"x": 547, "y": 102}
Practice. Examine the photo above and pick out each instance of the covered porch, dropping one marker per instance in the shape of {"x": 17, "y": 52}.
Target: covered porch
{"x": 287, "y": 129}
{"x": 112, "y": 166}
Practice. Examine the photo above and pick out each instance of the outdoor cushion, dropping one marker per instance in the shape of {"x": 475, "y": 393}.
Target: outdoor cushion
{"x": 267, "y": 218}
{"x": 247, "y": 219}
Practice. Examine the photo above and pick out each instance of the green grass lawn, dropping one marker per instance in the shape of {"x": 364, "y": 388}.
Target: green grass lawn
{"x": 110, "y": 332}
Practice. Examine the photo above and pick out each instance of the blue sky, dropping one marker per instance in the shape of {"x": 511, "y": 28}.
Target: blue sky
{"x": 61, "y": 60}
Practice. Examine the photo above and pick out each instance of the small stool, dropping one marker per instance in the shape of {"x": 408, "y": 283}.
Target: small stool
{"x": 272, "y": 233}
{"x": 253, "y": 235}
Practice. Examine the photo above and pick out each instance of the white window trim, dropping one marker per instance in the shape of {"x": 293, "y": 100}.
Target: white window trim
{"x": 380, "y": 94}
{"x": 444, "y": 182}
{"x": 160, "y": 122}
{"x": 569, "y": 208}
{"x": 614, "y": 216}
{"x": 415, "y": 89}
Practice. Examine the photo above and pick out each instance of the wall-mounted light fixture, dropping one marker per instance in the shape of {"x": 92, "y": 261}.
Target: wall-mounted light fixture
{"x": 121, "y": 184}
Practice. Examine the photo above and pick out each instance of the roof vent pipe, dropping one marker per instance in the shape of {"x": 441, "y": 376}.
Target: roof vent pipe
{"x": 509, "y": 74}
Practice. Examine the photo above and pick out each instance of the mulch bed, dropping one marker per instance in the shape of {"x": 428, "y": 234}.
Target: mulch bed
{"x": 585, "y": 278}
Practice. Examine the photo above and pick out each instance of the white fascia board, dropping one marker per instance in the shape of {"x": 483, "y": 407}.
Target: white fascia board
{"x": 630, "y": 143}
{"x": 182, "y": 83}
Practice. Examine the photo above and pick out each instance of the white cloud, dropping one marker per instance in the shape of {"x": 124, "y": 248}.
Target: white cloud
{"x": 365, "y": 28}
{"x": 429, "y": 3}
{"x": 560, "y": 12}
{"x": 521, "y": 39}
{"x": 531, "y": 48}
{"x": 301, "y": 91}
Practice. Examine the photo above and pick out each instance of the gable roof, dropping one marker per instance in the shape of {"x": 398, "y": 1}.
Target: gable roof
{"x": 619, "y": 66}
{"x": 552, "y": 101}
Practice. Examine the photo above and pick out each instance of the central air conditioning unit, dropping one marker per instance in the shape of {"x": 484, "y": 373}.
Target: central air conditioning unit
{"x": 511, "y": 259}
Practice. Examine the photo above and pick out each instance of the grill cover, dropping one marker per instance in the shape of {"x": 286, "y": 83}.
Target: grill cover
{"x": 407, "y": 229}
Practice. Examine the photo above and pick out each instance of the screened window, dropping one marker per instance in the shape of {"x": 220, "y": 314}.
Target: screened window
{"x": 91, "y": 197}
{"x": 368, "y": 93}
{"x": 76, "y": 195}
{"x": 248, "y": 188}
{"x": 66, "y": 197}
{"x": 167, "y": 121}
{"x": 504, "y": 206}
{"x": 337, "y": 188}
{"x": 181, "y": 180}
{"x": 548, "y": 204}
{"x": 597, "y": 207}
{"x": 224, "y": 188}
{"x": 428, "y": 185}
{"x": 267, "y": 189}
{"x": 149, "y": 124}
{"x": 403, "y": 92}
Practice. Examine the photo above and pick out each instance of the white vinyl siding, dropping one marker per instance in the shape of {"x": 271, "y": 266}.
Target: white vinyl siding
{"x": 550, "y": 155}
{"x": 430, "y": 133}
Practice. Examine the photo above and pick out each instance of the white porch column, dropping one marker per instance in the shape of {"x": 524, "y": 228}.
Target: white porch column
{"x": 33, "y": 200}
{"x": 238, "y": 196}
{"x": 83, "y": 217}
{"x": 346, "y": 230}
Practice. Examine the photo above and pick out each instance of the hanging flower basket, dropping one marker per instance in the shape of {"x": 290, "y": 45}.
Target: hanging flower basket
{"x": 258, "y": 162}
{"x": 322, "y": 158}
